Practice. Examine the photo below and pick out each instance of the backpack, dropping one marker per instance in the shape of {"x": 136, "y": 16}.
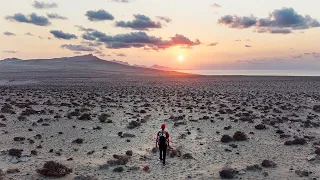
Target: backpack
{"x": 162, "y": 138}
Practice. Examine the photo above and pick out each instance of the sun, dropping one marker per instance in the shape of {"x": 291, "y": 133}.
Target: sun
{"x": 180, "y": 58}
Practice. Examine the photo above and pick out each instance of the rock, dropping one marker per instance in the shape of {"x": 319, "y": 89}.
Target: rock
{"x": 129, "y": 153}
{"x": 13, "y": 171}
{"x": 316, "y": 108}
{"x": 268, "y": 164}
{"x": 298, "y": 141}
{"x": 127, "y": 135}
{"x": 133, "y": 124}
{"x": 279, "y": 131}
{"x": 226, "y": 139}
{"x": 227, "y": 173}
{"x": 34, "y": 152}
{"x": 103, "y": 117}
{"x": 90, "y": 152}
{"x": 154, "y": 150}
{"x": 317, "y": 151}
{"x": 233, "y": 145}
{"x": 54, "y": 170}
{"x": 241, "y": 172}
{"x": 227, "y": 127}
{"x": 260, "y": 127}
{"x": 118, "y": 169}
{"x": 19, "y": 139}
{"x": 105, "y": 147}
{"x": 187, "y": 156}
{"x": 120, "y": 134}
{"x": 134, "y": 168}
{"x": 97, "y": 128}
{"x": 178, "y": 123}
{"x": 15, "y": 152}
{"x": 174, "y": 152}
{"x": 240, "y": 136}
{"x": 78, "y": 141}
{"x": 312, "y": 157}
{"x": 85, "y": 117}
{"x": 254, "y": 167}
{"x": 119, "y": 160}
{"x": 303, "y": 173}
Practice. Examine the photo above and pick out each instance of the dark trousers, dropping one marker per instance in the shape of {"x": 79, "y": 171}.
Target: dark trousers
{"x": 163, "y": 152}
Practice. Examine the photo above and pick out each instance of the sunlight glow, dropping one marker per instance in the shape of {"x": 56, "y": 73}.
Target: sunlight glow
{"x": 180, "y": 58}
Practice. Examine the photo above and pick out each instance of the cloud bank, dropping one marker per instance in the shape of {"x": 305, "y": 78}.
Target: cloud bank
{"x": 280, "y": 21}
{"x": 100, "y": 15}
{"x": 44, "y": 5}
{"x": 30, "y": 19}
{"x": 77, "y": 48}
{"x": 140, "y": 22}
{"x": 138, "y": 40}
{"x": 61, "y": 35}
{"x": 56, "y": 16}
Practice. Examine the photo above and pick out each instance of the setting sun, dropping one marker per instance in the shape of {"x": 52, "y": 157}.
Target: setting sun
{"x": 180, "y": 57}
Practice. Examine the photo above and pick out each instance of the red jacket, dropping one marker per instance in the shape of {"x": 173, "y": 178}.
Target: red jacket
{"x": 167, "y": 137}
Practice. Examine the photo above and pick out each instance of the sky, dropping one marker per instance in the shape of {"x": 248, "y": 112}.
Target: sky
{"x": 184, "y": 34}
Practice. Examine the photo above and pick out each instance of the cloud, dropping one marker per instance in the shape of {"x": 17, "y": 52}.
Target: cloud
{"x": 56, "y": 16}
{"x": 92, "y": 44}
{"x": 282, "y": 21}
{"x": 238, "y": 22}
{"x": 7, "y": 33}
{"x": 72, "y": 47}
{"x": 30, "y": 19}
{"x": 77, "y": 52}
{"x": 138, "y": 40}
{"x": 28, "y": 34}
{"x": 140, "y": 22}
{"x": 99, "y": 15}
{"x": 165, "y": 19}
{"x": 274, "y": 31}
{"x": 315, "y": 55}
{"x": 44, "y": 5}
{"x": 11, "y": 52}
{"x": 61, "y": 35}
{"x": 213, "y": 44}
{"x": 248, "y": 46}
{"x": 215, "y": 5}
{"x": 81, "y": 28}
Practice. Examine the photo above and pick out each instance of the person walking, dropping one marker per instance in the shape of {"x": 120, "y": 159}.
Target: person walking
{"x": 162, "y": 141}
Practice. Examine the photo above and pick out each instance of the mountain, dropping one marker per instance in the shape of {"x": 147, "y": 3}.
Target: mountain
{"x": 142, "y": 66}
{"x": 163, "y": 68}
{"x": 9, "y": 60}
{"x": 120, "y": 62}
{"x": 77, "y": 67}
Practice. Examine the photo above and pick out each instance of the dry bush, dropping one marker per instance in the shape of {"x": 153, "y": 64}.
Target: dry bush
{"x": 54, "y": 169}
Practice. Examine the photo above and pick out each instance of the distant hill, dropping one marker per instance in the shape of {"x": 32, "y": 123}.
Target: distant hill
{"x": 8, "y": 60}
{"x": 163, "y": 68}
{"x": 86, "y": 66}
{"x": 120, "y": 62}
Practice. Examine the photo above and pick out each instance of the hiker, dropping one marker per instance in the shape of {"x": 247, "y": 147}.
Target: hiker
{"x": 163, "y": 141}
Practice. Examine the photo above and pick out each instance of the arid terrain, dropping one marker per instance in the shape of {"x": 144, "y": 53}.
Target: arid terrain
{"x": 104, "y": 126}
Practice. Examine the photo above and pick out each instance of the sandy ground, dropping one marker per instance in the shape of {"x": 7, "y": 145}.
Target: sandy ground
{"x": 197, "y": 112}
